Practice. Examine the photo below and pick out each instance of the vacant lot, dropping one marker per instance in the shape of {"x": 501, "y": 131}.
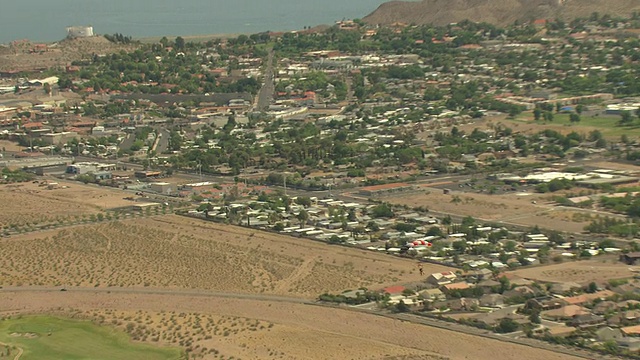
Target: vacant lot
{"x": 516, "y": 208}
{"x": 600, "y": 269}
{"x": 266, "y": 330}
{"x": 525, "y": 124}
{"x": 34, "y": 204}
{"x": 20, "y": 56}
{"x": 178, "y": 252}
{"x": 607, "y": 124}
{"x": 45, "y": 337}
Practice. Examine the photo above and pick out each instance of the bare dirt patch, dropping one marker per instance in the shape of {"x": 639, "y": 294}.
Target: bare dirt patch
{"x": 179, "y": 252}
{"x": 21, "y": 56}
{"x": 10, "y": 146}
{"x": 298, "y": 331}
{"x": 617, "y": 166}
{"x": 600, "y": 269}
{"x": 515, "y": 209}
{"x": 30, "y": 203}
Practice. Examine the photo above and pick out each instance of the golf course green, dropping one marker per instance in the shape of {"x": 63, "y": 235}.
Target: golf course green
{"x": 53, "y": 338}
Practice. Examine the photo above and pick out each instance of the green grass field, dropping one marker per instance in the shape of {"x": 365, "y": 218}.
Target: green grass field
{"x": 66, "y": 339}
{"x": 607, "y": 124}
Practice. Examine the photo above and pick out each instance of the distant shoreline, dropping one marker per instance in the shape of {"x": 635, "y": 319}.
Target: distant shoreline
{"x": 207, "y": 37}
{"x": 192, "y": 38}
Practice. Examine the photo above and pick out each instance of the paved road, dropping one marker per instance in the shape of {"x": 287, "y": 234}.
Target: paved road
{"x": 127, "y": 142}
{"x": 144, "y": 291}
{"x": 163, "y": 141}
{"x": 265, "y": 96}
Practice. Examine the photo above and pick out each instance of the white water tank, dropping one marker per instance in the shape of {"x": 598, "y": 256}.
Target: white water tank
{"x": 79, "y": 31}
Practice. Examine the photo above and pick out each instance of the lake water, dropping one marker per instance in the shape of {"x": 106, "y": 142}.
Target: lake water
{"x": 46, "y": 20}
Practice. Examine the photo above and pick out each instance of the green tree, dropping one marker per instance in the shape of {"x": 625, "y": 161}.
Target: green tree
{"x": 507, "y": 325}
{"x": 626, "y": 118}
{"x": 401, "y": 307}
{"x": 574, "y": 118}
{"x": 303, "y": 216}
{"x": 435, "y": 231}
{"x": 535, "y": 317}
{"x": 304, "y": 201}
{"x": 382, "y": 210}
{"x": 548, "y": 116}
{"x": 460, "y": 246}
{"x": 408, "y": 292}
{"x": 510, "y": 246}
{"x": 537, "y": 113}
{"x": 180, "y": 43}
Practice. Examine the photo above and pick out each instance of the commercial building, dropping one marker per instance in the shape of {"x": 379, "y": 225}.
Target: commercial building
{"x": 58, "y": 138}
{"x": 89, "y": 167}
{"x": 163, "y": 188}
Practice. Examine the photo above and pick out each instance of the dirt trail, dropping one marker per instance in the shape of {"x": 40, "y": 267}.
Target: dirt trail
{"x": 18, "y": 355}
{"x": 299, "y": 274}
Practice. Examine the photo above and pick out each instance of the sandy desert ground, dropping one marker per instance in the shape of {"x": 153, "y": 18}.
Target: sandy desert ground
{"x": 600, "y": 270}
{"x": 220, "y": 291}
{"x": 20, "y": 57}
{"x": 253, "y": 329}
{"x": 30, "y": 203}
{"x": 509, "y": 208}
{"x": 179, "y": 252}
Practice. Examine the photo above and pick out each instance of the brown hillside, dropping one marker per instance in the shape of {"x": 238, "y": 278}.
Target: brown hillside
{"x": 499, "y": 12}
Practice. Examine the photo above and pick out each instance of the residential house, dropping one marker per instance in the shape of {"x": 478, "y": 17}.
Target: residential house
{"x": 608, "y": 334}
{"x": 455, "y": 286}
{"x": 494, "y": 318}
{"x": 564, "y": 288}
{"x": 631, "y": 316}
{"x": 630, "y": 258}
{"x": 588, "y": 298}
{"x": 625, "y": 318}
{"x": 492, "y": 300}
{"x": 628, "y": 304}
{"x": 462, "y": 304}
{"x": 604, "y": 307}
{"x": 518, "y": 281}
{"x": 488, "y": 285}
{"x": 629, "y": 344}
{"x": 543, "y": 303}
{"x": 561, "y": 331}
{"x": 565, "y": 313}
{"x": 522, "y": 291}
{"x": 478, "y": 275}
{"x": 629, "y": 288}
{"x": 394, "y": 290}
{"x": 441, "y": 278}
{"x": 432, "y": 295}
{"x": 586, "y": 320}
{"x": 353, "y": 294}
{"x": 631, "y": 330}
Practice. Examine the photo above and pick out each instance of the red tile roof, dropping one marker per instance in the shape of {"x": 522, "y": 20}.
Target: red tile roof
{"x": 398, "y": 289}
